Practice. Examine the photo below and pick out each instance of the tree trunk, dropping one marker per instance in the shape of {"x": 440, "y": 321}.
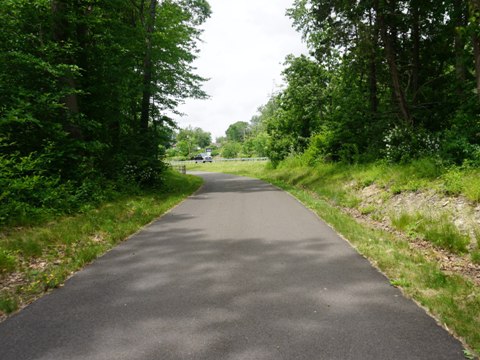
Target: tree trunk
{"x": 60, "y": 35}
{"x": 148, "y": 67}
{"x": 372, "y": 78}
{"x": 392, "y": 63}
{"x": 476, "y": 53}
{"x": 460, "y": 22}
{"x": 475, "y": 9}
{"x": 415, "y": 50}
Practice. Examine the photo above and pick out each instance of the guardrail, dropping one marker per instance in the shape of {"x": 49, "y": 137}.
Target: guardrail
{"x": 180, "y": 162}
{"x": 243, "y": 159}
{"x": 180, "y": 168}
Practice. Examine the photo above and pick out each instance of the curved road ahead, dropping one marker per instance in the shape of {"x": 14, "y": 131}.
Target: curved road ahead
{"x": 241, "y": 270}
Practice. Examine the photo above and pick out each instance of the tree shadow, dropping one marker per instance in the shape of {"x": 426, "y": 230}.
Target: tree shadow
{"x": 181, "y": 289}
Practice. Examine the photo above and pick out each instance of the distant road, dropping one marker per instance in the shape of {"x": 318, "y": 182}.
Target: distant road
{"x": 240, "y": 271}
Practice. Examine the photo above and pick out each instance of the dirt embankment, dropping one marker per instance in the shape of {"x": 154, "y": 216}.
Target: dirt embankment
{"x": 378, "y": 207}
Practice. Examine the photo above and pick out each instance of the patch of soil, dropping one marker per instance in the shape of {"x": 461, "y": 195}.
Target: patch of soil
{"x": 462, "y": 212}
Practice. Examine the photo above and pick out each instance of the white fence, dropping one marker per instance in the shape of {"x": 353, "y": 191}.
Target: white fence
{"x": 174, "y": 162}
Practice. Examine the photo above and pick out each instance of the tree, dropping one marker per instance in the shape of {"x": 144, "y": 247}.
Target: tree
{"x": 475, "y": 25}
{"x": 149, "y": 24}
{"x": 203, "y": 138}
{"x": 190, "y": 140}
{"x": 236, "y": 132}
{"x": 406, "y": 59}
{"x": 388, "y": 33}
{"x": 85, "y": 86}
{"x": 231, "y": 149}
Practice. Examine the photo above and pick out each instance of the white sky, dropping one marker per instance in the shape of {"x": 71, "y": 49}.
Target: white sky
{"x": 245, "y": 45}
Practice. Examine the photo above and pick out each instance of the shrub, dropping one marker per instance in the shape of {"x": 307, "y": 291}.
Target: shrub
{"x": 349, "y": 153}
{"x": 231, "y": 150}
{"x": 29, "y": 193}
{"x": 403, "y": 144}
{"x": 461, "y": 141}
{"x": 318, "y": 148}
{"x": 456, "y": 149}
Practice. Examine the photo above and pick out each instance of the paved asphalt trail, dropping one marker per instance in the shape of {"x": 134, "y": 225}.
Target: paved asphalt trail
{"x": 241, "y": 270}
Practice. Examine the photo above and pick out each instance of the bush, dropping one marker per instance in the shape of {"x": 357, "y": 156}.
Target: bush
{"x": 461, "y": 141}
{"x": 458, "y": 149}
{"x": 26, "y": 189}
{"x": 349, "y": 153}
{"x": 231, "y": 150}
{"x": 318, "y": 148}
{"x": 28, "y": 193}
{"x": 403, "y": 144}
{"x": 144, "y": 171}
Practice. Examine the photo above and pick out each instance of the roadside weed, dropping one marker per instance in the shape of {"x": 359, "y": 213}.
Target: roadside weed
{"x": 399, "y": 283}
{"x": 8, "y": 305}
{"x": 468, "y": 355}
{"x": 7, "y": 261}
{"x": 366, "y": 210}
{"x": 438, "y": 230}
{"x": 475, "y": 255}
{"x": 446, "y": 235}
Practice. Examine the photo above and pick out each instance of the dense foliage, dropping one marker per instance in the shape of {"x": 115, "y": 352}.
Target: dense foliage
{"x": 189, "y": 142}
{"x": 84, "y": 89}
{"x": 393, "y": 79}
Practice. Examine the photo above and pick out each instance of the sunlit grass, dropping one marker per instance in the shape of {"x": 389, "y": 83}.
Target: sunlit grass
{"x": 439, "y": 230}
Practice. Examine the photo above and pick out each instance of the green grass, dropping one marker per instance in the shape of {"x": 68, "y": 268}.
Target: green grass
{"x": 330, "y": 179}
{"x": 475, "y": 253}
{"x": 464, "y": 182}
{"x": 7, "y": 261}
{"x": 366, "y": 210}
{"x": 439, "y": 230}
{"x": 67, "y": 244}
{"x": 454, "y": 300}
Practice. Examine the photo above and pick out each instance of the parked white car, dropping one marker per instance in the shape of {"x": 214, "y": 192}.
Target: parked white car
{"x": 203, "y": 158}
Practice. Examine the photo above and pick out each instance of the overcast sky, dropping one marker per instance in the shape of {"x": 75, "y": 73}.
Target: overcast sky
{"x": 245, "y": 44}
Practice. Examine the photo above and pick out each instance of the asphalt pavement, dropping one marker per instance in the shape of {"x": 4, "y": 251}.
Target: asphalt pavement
{"x": 240, "y": 270}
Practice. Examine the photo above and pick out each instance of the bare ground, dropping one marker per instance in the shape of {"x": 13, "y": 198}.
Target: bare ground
{"x": 462, "y": 212}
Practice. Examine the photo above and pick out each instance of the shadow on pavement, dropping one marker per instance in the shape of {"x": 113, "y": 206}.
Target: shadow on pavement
{"x": 173, "y": 292}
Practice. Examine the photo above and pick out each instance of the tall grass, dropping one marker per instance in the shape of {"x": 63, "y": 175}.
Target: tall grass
{"x": 439, "y": 230}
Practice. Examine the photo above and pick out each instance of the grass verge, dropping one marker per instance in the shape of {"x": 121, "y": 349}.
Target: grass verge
{"x": 438, "y": 230}
{"x": 452, "y": 299}
{"x": 36, "y": 259}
